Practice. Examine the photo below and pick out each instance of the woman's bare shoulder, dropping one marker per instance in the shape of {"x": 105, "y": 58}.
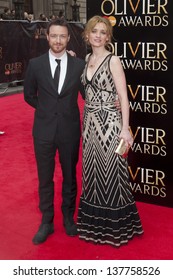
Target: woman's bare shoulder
{"x": 115, "y": 59}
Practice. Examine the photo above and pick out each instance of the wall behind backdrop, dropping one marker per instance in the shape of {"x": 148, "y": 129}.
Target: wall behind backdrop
{"x": 143, "y": 41}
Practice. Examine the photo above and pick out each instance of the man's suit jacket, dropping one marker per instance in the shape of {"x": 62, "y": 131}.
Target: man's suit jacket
{"x": 54, "y": 112}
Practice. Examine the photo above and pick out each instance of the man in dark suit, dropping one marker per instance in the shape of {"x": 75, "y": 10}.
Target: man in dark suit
{"x": 56, "y": 125}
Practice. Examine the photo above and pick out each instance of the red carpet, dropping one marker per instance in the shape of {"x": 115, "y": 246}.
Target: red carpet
{"x": 20, "y": 216}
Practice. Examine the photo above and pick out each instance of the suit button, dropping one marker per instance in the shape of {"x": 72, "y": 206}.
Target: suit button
{"x": 56, "y": 114}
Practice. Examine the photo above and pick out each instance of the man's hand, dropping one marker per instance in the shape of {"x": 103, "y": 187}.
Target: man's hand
{"x": 118, "y": 105}
{"x": 72, "y": 53}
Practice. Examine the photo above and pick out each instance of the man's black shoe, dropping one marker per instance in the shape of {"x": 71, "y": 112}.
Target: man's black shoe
{"x": 43, "y": 232}
{"x": 70, "y": 227}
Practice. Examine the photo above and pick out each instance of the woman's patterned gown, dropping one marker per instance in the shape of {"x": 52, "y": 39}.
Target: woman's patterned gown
{"x": 107, "y": 211}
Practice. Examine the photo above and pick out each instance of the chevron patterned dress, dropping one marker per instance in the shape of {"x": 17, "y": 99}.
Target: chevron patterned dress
{"x": 107, "y": 211}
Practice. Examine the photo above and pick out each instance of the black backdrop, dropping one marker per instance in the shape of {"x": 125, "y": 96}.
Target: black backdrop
{"x": 143, "y": 41}
{"x": 20, "y": 41}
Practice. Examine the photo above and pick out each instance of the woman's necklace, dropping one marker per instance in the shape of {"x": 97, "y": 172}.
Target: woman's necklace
{"x": 95, "y": 61}
{"x": 92, "y": 63}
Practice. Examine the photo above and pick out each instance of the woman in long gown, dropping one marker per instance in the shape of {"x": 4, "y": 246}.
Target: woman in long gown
{"x": 107, "y": 210}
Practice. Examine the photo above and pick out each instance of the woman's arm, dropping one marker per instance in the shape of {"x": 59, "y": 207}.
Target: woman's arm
{"x": 121, "y": 87}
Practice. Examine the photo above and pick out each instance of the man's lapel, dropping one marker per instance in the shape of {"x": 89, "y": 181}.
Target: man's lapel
{"x": 48, "y": 74}
{"x": 68, "y": 74}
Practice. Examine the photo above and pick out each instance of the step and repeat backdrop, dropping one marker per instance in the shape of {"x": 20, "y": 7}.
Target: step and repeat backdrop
{"x": 21, "y": 40}
{"x": 143, "y": 41}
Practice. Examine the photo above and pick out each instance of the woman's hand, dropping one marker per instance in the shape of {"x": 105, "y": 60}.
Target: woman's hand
{"x": 126, "y": 135}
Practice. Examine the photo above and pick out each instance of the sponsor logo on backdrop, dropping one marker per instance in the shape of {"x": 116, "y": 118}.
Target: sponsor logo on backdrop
{"x": 149, "y": 141}
{"x": 144, "y": 56}
{"x": 148, "y": 99}
{"x": 13, "y": 68}
{"x": 141, "y": 13}
{"x": 151, "y": 181}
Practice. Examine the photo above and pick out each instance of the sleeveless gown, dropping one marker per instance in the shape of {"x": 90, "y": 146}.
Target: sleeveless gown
{"x": 107, "y": 210}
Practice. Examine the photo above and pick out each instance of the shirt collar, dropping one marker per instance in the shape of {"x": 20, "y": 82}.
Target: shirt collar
{"x": 52, "y": 57}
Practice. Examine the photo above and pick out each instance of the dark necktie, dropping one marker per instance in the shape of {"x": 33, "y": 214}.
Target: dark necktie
{"x": 57, "y": 73}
